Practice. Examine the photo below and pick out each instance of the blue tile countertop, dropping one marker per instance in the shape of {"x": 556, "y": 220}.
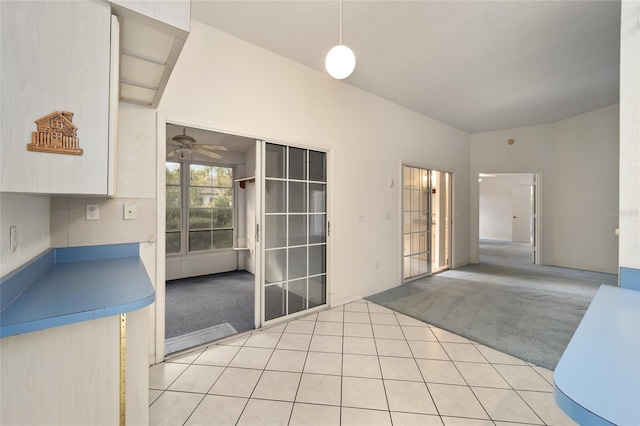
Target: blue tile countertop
{"x": 597, "y": 381}
{"x": 68, "y": 285}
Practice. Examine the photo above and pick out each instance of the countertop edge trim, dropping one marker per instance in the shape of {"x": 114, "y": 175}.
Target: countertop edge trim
{"x": 577, "y": 412}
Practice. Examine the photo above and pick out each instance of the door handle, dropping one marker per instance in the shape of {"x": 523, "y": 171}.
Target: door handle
{"x": 515, "y": 217}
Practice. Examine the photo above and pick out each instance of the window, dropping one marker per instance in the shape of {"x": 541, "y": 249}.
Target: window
{"x": 205, "y": 210}
{"x": 210, "y": 207}
{"x": 174, "y": 210}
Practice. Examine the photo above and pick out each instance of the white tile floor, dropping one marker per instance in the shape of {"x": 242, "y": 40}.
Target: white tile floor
{"x": 358, "y": 364}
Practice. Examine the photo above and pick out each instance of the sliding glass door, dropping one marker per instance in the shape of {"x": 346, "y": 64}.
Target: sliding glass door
{"x": 416, "y": 224}
{"x": 426, "y": 219}
{"x": 294, "y": 243}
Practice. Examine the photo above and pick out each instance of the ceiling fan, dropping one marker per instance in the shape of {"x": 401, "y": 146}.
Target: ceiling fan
{"x": 180, "y": 145}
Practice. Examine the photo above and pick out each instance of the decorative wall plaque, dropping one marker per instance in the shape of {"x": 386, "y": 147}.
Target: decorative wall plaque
{"x": 56, "y": 134}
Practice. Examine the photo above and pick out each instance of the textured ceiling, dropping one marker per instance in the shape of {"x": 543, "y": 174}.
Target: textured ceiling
{"x": 476, "y": 65}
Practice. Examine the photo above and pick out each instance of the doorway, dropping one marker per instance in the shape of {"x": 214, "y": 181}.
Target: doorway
{"x": 265, "y": 206}
{"x": 426, "y": 223}
{"x": 209, "y": 273}
{"x": 508, "y": 214}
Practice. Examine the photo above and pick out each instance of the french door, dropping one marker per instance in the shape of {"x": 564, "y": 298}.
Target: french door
{"x": 293, "y": 197}
{"x": 426, "y": 219}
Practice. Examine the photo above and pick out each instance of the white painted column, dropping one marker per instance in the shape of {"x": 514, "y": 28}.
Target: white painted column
{"x": 629, "y": 209}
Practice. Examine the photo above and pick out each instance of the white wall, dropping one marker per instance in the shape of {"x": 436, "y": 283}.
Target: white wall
{"x": 629, "y": 207}
{"x": 496, "y": 204}
{"x": 226, "y": 84}
{"x": 30, "y": 214}
{"x": 577, "y": 160}
{"x": 586, "y": 191}
{"x": 533, "y": 151}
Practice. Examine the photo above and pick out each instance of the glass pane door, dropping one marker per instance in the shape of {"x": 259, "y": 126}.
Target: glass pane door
{"x": 294, "y": 230}
{"x": 426, "y": 222}
{"x": 416, "y": 212}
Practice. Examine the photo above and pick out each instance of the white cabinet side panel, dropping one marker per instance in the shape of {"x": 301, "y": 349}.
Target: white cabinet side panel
{"x": 63, "y": 375}
{"x": 55, "y": 57}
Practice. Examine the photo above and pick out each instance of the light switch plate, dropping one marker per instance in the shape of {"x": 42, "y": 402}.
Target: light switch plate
{"x": 13, "y": 238}
{"x": 130, "y": 211}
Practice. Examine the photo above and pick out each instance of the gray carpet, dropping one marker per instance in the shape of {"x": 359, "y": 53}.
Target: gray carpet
{"x": 198, "y": 303}
{"x": 521, "y": 309}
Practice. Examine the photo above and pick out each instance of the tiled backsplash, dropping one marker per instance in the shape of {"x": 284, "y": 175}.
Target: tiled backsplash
{"x": 69, "y": 226}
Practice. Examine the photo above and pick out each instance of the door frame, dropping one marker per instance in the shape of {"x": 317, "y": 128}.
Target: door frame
{"x": 452, "y": 207}
{"x": 157, "y": 313}
{"x": 536, "y": 212}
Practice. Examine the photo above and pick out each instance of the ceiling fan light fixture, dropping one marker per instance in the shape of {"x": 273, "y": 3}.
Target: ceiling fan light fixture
{"x": 340, "y": 61}
{"x": 183, "y": 137}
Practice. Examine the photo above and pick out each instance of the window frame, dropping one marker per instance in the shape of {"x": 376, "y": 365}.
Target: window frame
{"x": 185, "y": 189}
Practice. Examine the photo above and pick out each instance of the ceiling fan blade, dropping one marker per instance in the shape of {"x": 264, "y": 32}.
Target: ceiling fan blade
{"x": 208, "y": 153}
{"x": 172, "y": 154}
{"x": 213, "y": 147}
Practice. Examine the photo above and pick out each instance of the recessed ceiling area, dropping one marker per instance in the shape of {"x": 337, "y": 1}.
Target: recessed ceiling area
{"x": 476, "y": 65}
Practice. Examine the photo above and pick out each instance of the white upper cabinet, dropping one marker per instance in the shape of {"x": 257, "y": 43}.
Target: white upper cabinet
{"x": 57, "y": 57}
{"x": 153, "y": 34}
{"x": 175, "y": 13}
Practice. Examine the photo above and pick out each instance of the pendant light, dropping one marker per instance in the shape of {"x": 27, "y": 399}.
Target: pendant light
{"x": 340, "y": 61}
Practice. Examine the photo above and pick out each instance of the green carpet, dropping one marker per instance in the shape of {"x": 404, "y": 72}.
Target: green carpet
{"x": 525, "y": 313}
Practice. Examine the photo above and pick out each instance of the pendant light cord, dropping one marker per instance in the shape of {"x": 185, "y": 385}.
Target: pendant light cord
{"x": 340, "y": 21}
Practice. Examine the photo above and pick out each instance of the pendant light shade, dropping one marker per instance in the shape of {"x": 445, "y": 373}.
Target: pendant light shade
{"x": 340, "y": 62}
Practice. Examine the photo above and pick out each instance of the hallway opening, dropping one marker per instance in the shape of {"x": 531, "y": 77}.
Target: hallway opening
{"x": 508, "y": 212}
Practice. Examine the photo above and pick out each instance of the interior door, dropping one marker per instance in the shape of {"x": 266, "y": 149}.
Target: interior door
{"x": 521, "y": 217}
{"x": 294, "y": 230}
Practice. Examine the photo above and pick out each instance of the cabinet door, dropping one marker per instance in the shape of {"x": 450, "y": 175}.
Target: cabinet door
{"x": 55, "y": 57}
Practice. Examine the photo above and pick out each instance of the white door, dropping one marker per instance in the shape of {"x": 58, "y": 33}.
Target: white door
{"x": 521, "y": 217}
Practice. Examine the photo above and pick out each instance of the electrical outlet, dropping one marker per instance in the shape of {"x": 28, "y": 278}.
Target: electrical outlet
{"x": 93, "y": 212}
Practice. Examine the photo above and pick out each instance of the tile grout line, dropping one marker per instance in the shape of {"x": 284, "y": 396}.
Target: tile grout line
{"x": 419, "y": 369}
{"x": 516, "y": 391}
{"x": 207, "y": 392}
{"x": 384, "y": 387}
{"x": 261, "y": 374}
{"x": 295, "y": 397}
